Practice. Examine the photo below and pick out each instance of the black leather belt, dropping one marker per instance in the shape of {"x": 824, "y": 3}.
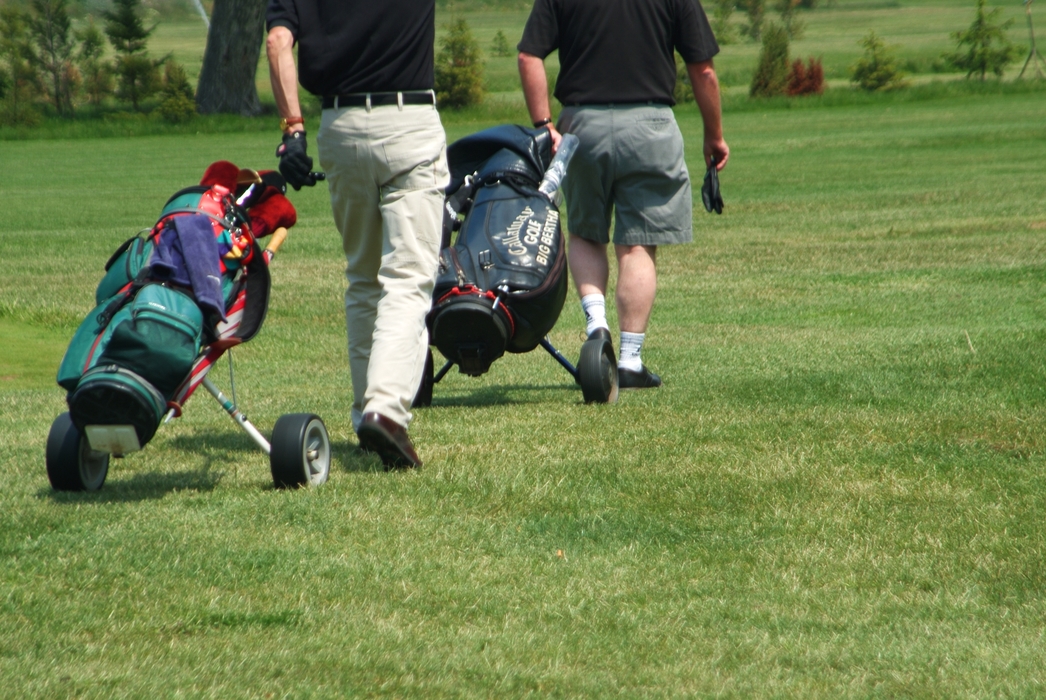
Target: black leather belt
{"x": 617, "y": 104}
{"x": 379, "y": 99}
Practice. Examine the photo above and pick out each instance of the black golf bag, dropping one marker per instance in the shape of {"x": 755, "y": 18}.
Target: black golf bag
{"x": 502, "y": 285}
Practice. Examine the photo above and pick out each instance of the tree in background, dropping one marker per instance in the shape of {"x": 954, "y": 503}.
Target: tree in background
{"x": 984, "y": 46}
{"x": 877, "y": 69}
{"x": 724, "y": 31}
{"x": 96, "y": 73}
{"x": 230, "y": 62}
{"x": 499, "y": 46}
{"x": 21, "y": 83}
{"x": 792, "y": 24}
{"x": 459, "y": 68}
{"x": 176, "y": 96}
{"x": 755, "y": 11}
{"x": 771, "y": 75}
{"x": 805, "y": 80}
{"x": 683, "y": 91}
{"x": 137, "y": 75}
{"x": 49, "y": 28}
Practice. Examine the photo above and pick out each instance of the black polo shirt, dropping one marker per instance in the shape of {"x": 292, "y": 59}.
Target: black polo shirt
{"x": 618, "y": 50}
{"x": 347, "y": 46}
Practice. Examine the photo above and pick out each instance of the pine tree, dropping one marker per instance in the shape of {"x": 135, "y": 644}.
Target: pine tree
{"x": 137, "y": 75}
{"x": 499, "y": 46}
{"x": 459, "y": 68}
{"x": 49, "y": 27}
{"x": 771, "y": 75}
{"x": 877, "y": 69}
{"x": 987, "y": 48}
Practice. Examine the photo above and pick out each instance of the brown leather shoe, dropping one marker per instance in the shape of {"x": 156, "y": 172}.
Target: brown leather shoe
{"x": 389, "y": 439}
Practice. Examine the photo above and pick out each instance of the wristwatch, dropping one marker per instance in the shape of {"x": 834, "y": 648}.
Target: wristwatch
{"x": 289, "y": 121}
{"x": 542, "y": 122}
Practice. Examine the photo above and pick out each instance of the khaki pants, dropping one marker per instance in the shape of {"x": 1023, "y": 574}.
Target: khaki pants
{"x": 387, "y": 169}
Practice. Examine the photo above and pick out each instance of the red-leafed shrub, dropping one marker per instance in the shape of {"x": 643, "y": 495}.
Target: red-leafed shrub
{"x": 805, "y": 80}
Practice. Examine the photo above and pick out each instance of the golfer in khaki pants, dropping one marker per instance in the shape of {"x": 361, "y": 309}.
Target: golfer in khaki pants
{"x": 383, "y": 149}
{"x": 387, "y": 171}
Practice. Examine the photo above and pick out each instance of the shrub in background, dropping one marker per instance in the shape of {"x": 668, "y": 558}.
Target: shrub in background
{"x": 984, "y": 46}
{"x": 683, "y": 92}
{"x": 177, "y": 102}
{"x": 771, "y": 75}
{"x": 96, "y": 73}
{"x": 805, "y": 80}
{"x": 459, "y": 68}
{"x": 755, "y": 11}
{"x": 500, "y": 46}
{"x": 792, "y": 24}
{"x": 877, "y": 69}
{"x": 21, "y": 80}
{"x": 725, "y": 32}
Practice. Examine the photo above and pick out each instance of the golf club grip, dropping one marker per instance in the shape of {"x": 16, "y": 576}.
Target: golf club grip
{"x": 318, "y": 176}
{"x": 278, "y": 237}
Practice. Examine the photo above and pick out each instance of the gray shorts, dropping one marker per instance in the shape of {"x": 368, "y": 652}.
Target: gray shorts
{"x": 630, "y": 160}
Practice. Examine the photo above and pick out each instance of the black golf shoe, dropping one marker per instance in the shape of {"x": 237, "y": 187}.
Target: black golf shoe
{"x": 631, "y": 379}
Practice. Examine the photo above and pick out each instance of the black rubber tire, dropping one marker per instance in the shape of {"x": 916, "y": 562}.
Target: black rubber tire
{"x": 597, "y": 371}
{"x": 71, "y": 463}
{"x": 300, "y": 451}
{"x": 424, "y": 396}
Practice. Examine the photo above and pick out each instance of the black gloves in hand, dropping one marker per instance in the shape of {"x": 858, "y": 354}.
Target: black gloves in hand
{"x": 710, "y": 190}
{"x": 295, "y": 165}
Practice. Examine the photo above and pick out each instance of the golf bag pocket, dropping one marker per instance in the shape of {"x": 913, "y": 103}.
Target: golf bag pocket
{"x": 132, "y": 367}
{"x": 123, "y": 267}
{"x": 161, "y": 338}
{"x": 88, "y": 343}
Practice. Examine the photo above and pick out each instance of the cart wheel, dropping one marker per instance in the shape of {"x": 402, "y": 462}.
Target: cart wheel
{"x": 301, "y": 451}
{"x": 597, "y": 371}
{"x": 71, "y": 463}
{"x": 424, "y": 396}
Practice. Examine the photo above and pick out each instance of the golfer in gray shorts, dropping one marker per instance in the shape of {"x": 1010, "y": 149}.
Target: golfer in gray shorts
{"x": 629, "y": 162}
{"x": 616, "y": 83}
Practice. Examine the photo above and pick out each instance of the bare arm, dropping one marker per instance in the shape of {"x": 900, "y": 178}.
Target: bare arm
{"x": 283, "y": 74}
{"x": 706, "y": 91}
{"x": 535, "y": 92}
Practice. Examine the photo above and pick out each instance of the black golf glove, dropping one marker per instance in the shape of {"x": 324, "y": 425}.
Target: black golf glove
{"x": 295, "y": 164}
{"x": 710, "y": 190}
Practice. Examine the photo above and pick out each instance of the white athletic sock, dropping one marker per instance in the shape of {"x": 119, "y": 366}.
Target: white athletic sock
{"x": 631, "y": 346}
{"x": 595, "y": 308}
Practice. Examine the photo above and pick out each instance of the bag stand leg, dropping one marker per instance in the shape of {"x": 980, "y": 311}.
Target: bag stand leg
{"x": 442, "y": 372}
{"x": 237, "y": 416}
{"x": 547, "y": 344}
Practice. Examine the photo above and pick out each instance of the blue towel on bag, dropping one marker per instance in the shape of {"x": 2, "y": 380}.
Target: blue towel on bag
{"x": 187, "y": 254}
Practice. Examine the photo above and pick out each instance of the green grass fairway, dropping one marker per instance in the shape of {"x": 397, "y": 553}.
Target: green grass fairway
{"x": 839, "y": 491}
